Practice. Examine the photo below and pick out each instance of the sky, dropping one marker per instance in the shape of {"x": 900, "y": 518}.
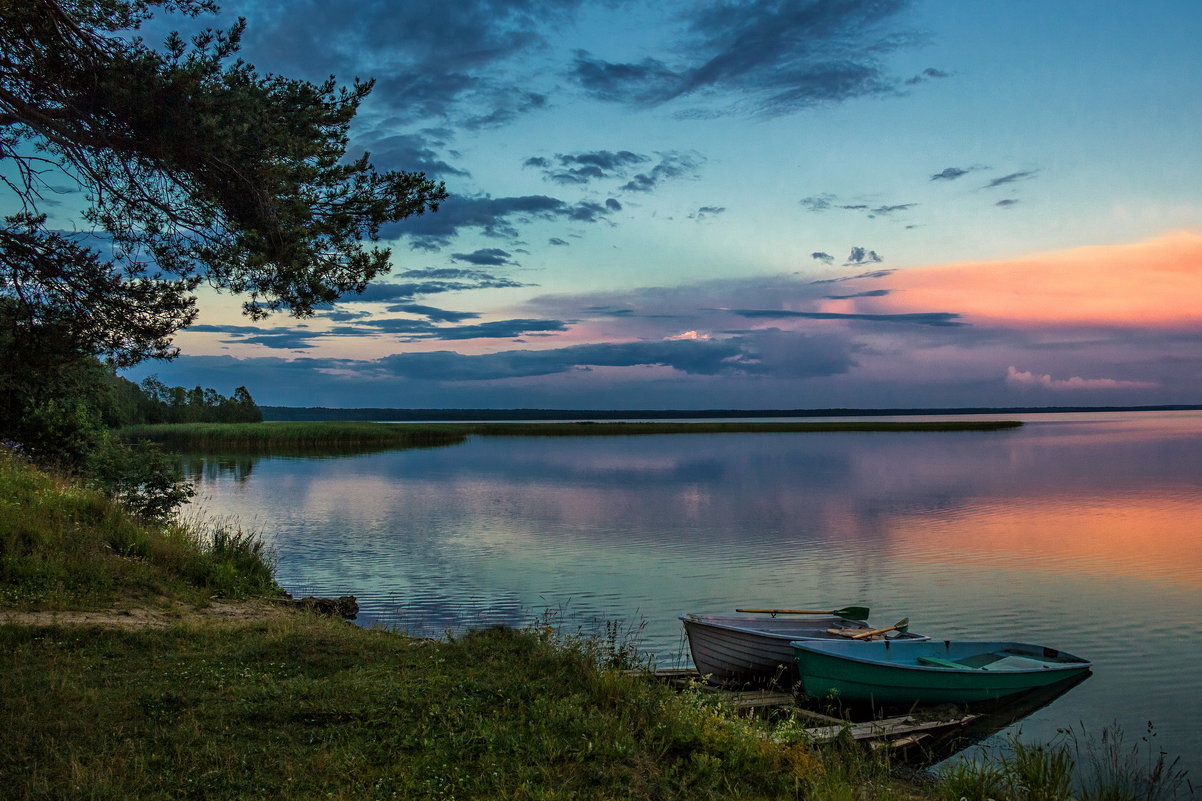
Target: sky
{"x": 750, "y": 204}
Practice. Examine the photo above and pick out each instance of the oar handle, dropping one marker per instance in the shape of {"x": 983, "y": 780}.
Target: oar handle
{"x": 789, "y": 611}
{"x": 900, "y": 625}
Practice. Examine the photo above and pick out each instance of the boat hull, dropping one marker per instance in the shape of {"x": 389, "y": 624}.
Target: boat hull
{"x": 930, "y": 672}
{"x": 756, "y": 650}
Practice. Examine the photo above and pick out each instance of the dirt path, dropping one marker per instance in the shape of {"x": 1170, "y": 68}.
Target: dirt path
{"x": 137, "y": 618}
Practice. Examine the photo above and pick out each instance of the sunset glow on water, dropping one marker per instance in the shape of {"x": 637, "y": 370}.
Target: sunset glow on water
{"x": 1076, "y": 531}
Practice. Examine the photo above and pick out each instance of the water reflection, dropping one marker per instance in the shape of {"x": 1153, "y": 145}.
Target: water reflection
{"x": 1079, "y": 532}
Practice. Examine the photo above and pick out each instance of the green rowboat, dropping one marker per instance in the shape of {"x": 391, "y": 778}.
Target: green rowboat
{"x": 936, "y": 671}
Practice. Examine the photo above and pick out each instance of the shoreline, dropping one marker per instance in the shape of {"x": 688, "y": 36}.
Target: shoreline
{"x": 302, "y": 435}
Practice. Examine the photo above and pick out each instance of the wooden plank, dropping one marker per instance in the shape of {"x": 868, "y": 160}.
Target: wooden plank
{"x": 887, "y": 727}
{"x": 899, "y": 743}
{"x": 760, "y": 698}
{"x": 801, "y": 712}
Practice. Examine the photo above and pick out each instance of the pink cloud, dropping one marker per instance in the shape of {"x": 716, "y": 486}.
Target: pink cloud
{"x": 1023, "y": 378}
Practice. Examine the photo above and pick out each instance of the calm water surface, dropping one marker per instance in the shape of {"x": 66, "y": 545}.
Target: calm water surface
{"x": 1083, "y": 532}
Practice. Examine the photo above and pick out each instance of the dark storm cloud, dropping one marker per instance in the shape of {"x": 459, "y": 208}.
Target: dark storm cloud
{"x": 581, "y": 168}
{"x": 485, "y": 257}
{"x": 1011, "y": 178}
{"x": 495, "y": 217}
{"x": 940, "y": 319}
{"x": 771, "y": 57}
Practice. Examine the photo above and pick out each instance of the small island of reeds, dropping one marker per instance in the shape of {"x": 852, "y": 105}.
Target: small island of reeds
{"x": 304, "y": 435}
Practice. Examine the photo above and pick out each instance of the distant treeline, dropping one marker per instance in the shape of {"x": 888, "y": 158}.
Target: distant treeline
{"x": 153, "y": 402}
{"x": 321, "y": 413}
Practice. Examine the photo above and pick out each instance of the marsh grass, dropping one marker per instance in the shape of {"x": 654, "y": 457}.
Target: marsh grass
{"x": 1076, "y": 766}
{"x": 63, "y": 546}
{"x": 298, "y": 437}
{"x": 1116, "y": 769}
{"x": 286, "y": 437}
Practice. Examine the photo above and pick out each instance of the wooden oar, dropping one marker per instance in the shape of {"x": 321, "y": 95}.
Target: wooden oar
{"x": 848, "y": 612}
{"x": 900, "y": 625}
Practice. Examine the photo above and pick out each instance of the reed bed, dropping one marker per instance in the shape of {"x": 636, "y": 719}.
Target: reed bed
{"x": 300, "y": 436}
{"x": 250, "y": 437}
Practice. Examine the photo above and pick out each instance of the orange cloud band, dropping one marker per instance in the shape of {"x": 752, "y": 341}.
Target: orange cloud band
{"x": 1156, "y": 284}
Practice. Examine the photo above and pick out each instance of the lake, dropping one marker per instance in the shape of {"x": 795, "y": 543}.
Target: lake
{"x": 1079, "y": 531}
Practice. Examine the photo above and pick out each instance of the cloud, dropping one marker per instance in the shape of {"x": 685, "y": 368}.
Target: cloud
{"x": 583, "y": 168}
{"x": 870, "y": 293}
{"x": 1022, "y": 378}
{"x": 557, "y": 241}
{"x": 409, "y": 152}
{"x": 1154, "y": 285}
{"x": 1011, "y": 178}
{"x": 765, "y": 57}
{"x": 952, "y": 173}
{"x": 881, "y": 211}
{"x": 485, "y": 257}
{"x": 861, "y": 255}
{"x": 433, "y": 313}
{"x": 458, "y": 62}
{"x": 1010, "y": 201}
{"x": 431, "y": 281}
{"x": 276, "y": 338}
{"x": 930, "y": 73}
{"x": 707, "y": 211}
{"x": 494, "y": 217}
{"x": 410, "y": 330}
{"x": 671, "y": 165}
{"x": 938, "y": 319}
{"x": 826, "y": 201}
{"x": 825, "y": 258}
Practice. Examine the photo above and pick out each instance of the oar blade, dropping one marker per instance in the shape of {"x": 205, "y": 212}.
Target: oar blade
{"x": 853, "y": 612}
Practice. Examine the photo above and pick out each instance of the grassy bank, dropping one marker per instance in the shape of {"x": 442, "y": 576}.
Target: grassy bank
{"x": 65, "y": 547}
{"x": 308, "y": 708}
{"x": 283, "y": 436}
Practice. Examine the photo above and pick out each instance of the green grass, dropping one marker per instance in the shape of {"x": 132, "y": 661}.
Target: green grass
{"x": 298, "y": 436}
{"x": 310, "y": 708}
{"x": 66, "y": 547}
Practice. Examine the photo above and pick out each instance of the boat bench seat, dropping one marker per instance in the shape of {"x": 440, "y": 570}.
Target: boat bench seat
{"x": 1016, "y": 663}
{"x": 936, "y": 661}
{"x": 1005, "y": 663}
